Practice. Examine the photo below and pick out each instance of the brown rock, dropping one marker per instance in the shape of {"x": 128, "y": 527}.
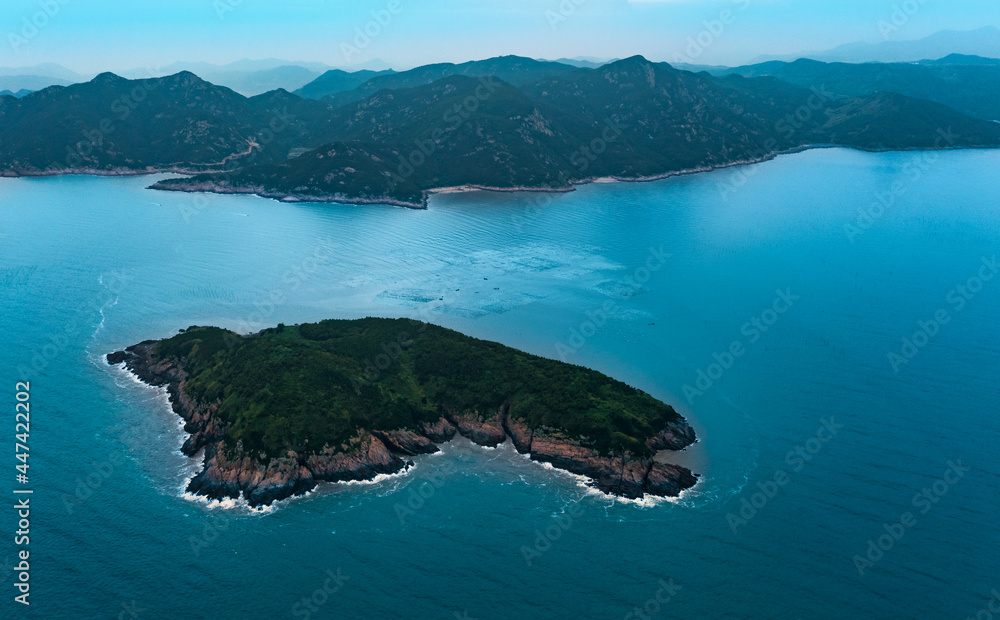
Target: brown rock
{"x": 519, "y": 433}
{"x": 669, "y": 480}
{"x": 407, "y": 442}
{"x": 483, "y": 430}
{"x": 439, "y": 432}
{"x": 365, "y": 458}
{"x": 677, "y": 436}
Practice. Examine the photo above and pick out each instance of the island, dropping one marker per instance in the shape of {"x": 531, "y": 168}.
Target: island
{"x": 279, "y": 411}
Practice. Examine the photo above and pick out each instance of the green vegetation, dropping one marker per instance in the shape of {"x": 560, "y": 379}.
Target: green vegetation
{"x": 969, "y": 85}
{"x": 302, "y": 387}
{"x": 628, "y": 119}
{"x": 505, "y": 122}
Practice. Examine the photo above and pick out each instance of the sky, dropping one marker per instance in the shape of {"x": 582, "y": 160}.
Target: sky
{"x": 90, "y": 36}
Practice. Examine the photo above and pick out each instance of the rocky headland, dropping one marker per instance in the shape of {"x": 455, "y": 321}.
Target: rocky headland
{"x": 263, "y": 479}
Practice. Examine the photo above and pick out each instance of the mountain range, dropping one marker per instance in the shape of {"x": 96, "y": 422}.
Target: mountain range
{"x": 502, "y": 123}
{"x": 969, "y": 84}
{"x": 981, "y": 42}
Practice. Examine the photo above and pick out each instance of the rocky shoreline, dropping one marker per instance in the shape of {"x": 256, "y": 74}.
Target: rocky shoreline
{"x": 255, "y": 190}
{"x": 372, "y": 452}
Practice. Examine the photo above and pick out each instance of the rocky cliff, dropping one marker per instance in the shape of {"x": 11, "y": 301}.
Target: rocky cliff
{"x": 262, "y": 480}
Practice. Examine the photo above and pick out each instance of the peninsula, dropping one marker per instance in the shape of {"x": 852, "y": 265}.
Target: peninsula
{"x": 506, "y": 123}
{"x": 279, "y": 411}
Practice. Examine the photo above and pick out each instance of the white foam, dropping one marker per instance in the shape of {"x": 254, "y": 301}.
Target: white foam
{"x": 379, "y": 478}
{"x": 586, "y": 484}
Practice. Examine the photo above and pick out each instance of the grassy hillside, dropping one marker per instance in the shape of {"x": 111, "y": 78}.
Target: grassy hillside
{"x": 302, "y": 387}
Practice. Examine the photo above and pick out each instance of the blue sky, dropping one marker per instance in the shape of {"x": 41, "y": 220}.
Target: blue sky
{"x": 97, "y": 35}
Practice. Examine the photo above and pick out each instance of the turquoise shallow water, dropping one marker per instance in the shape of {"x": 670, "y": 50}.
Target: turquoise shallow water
{"x": 88, "y": 265}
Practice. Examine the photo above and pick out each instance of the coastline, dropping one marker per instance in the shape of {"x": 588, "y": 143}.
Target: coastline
{"x": 292, "y": 197}
{"x": 231, "y": 475}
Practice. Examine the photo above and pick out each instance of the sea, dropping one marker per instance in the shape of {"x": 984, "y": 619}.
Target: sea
{"x": 827, "y": 321}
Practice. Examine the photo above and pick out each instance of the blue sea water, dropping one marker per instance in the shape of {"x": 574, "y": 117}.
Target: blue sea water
{"x": 812, "y": 444}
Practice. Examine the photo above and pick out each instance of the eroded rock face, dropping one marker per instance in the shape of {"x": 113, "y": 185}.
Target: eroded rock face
{"x": 407, "y": 442}
{"x": 483, "y": 430}
{"x": 668, "y": 480}
{"x": 625, "y": 475}
{"x": 440, "y": 432}
{"x": 519, "y": 433}
{"x": 226, "y": 475}
{"x": 677, "y": 436}
{"x": 365, "y": 458}
{"x": 262, "y": 480}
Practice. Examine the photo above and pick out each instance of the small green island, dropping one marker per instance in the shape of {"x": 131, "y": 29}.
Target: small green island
{"x": 281, "y": 410}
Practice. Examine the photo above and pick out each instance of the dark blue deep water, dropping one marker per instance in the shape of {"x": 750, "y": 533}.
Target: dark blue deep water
{"x": 837, "y": 481}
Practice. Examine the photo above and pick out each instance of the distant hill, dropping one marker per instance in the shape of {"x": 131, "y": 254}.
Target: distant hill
{"x": 513, "y": 69}
{"x": 582, "y": 63}
{"x": 46, "y": 70}
{"x": 555, "y": 126}
{"x": 15, "y": 83}
{"x": 629, "y": 119}
{"x": 289, "y": 77}
{"x": 335, "y": 81}
{"x": 982, "y": 42}
{"x": 969, "y": 87}
{"x": 18, "y": 94}
{"x": 247, "y": 77}
{"x": 176, "y": 122}
{"x": 960, "y": 59}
